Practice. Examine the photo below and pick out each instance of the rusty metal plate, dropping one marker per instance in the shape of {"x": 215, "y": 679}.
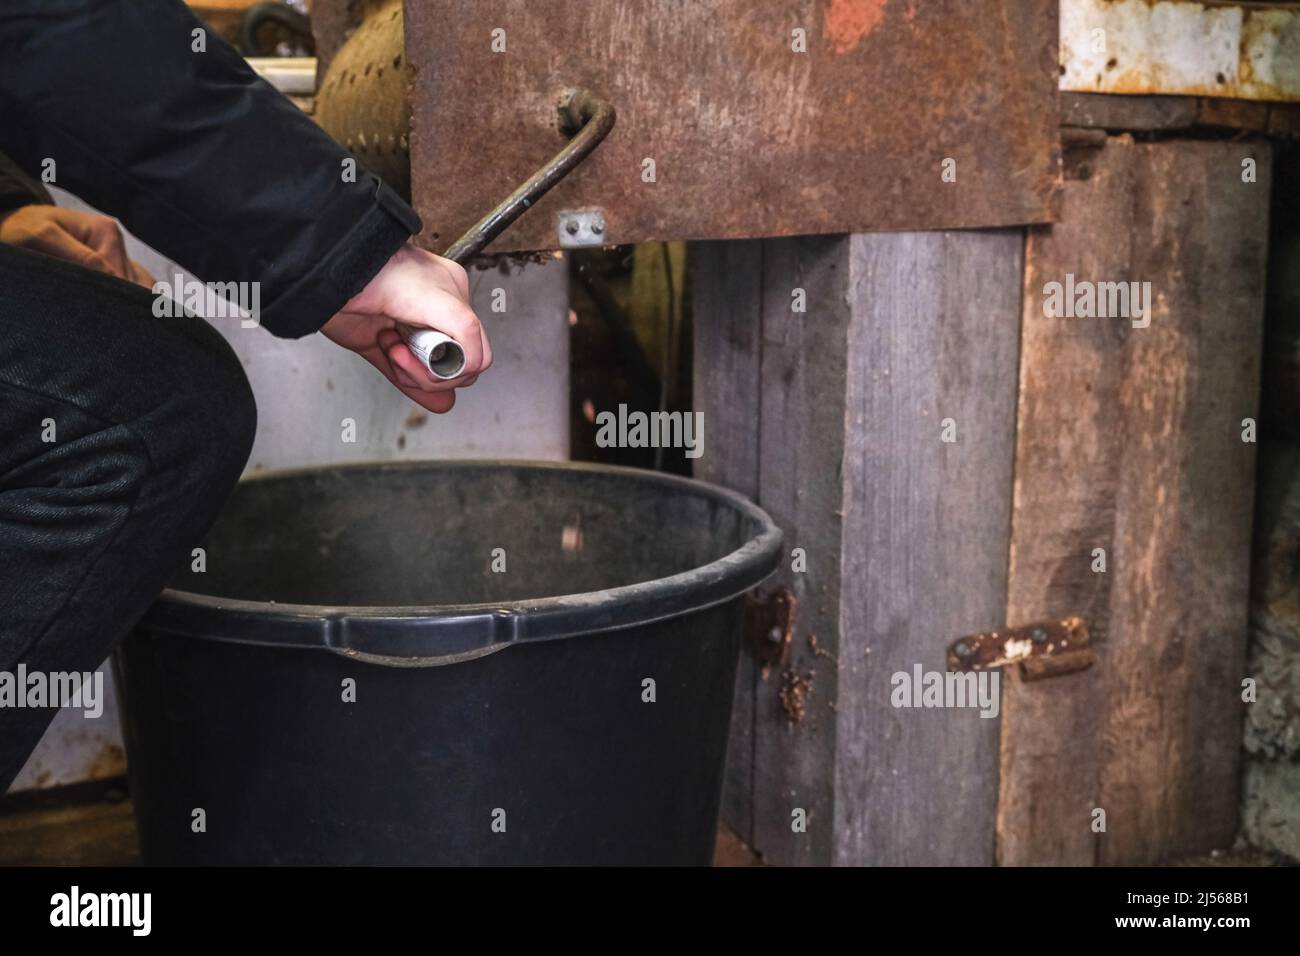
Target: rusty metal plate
{"x": 769, "y": 626}
{"x": 748, "y": 137}
{"x": 1044, "y": 649}
{"x": 1181, "y": 47}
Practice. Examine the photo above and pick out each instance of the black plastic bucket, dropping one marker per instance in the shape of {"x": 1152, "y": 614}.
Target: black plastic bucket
{"x": 445, "y": 663}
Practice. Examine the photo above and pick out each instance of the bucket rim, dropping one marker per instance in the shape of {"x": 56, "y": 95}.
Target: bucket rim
{"x": 425, "y": 635}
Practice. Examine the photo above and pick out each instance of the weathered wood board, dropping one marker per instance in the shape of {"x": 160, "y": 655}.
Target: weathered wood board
{"x": 905, "y": 536}
{"x": 1130, "y": 441}
{"x": 738, "y": 118}
{"x": 803, "y": 371}
{"x": 933, "y": 345}
{"x": 727, "y": 388}
{"x": 1141, "y": 113}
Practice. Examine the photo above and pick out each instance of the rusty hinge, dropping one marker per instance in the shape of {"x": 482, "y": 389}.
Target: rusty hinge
{"x": 769, "y": 626}
{"x": 1046, "y": 649}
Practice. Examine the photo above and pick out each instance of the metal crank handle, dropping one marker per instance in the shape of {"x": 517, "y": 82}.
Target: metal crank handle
{"x": 588, "y": 119}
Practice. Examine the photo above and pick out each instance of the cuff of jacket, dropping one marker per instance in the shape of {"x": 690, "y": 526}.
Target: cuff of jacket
{"x": 314, "y": 298}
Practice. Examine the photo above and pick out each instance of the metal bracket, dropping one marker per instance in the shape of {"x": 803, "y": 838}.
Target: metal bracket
{"x": 581, "y": 228}
{"x": 769, "y": 626}
{"x": 1045, "y": 649}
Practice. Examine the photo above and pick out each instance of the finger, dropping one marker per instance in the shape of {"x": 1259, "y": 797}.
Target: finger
{"x": 140, "y": 275}
{"x": 54, "y": 241}
{"x": 487, "y": 349}
{"x": 103, "y": 235}
{"x": 463, "y": 325}
{"x": 399, "y": 362}
{"x": 437, "y": 402}
{"x": 113, "y": 248}
{"x": 389, "y": 340}
{"x": 400, "y": 378}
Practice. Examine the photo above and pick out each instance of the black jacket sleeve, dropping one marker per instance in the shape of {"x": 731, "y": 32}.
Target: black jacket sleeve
{"x": 195, "y": 153}
{"x": 19, "y": 189}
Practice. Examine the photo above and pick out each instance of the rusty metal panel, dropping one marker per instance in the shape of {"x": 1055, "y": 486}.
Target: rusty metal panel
{"x": 750, "y": 134}
{"x": 1179, "y": 47}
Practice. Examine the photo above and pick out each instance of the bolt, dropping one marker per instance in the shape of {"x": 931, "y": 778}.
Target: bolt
{"x": 775, "y": 635}
{"x": 1038, "y": 635}
{"x": 961, "y": 649}
{"x": 571, "y": 227}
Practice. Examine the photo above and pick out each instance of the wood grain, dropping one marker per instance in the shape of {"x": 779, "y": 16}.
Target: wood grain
{"x": 1064, "y": 506}
{"x": 1129, "y": 440}
{"x": 801, "y": 442}
{"x": 1173, "y": 714}
{"x": 933, "y": 337}
{"x": 905, "y": 537}
{"x": 726, "y": 303}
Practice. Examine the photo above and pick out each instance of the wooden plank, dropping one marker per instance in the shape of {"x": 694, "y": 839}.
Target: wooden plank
{"x": 1218, "y": 113}
{"x": 1109, "y": 111}
{"x": 1130, "y": 440}
{"x": 761, "y": 119}
{"x": 1064, "y": 506}
{"x": 801, "y": 443}
{"x": 1173, "y": 706}
{"x": 1118, "y": 113}
{"x": 905, "y": 539}
{"x": 933, "y": 336}
{"x": 1162, "y": 113}
{"x": 726, "y": 304}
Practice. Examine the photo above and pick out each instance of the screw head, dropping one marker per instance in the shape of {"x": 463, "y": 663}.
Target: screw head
{"x": 1038, "y": 635}
{"x": 598, "y": 227}
{"x": 961, "y": 649}
{"x": 571, "y": 227}
{"x": 774, "y": 635}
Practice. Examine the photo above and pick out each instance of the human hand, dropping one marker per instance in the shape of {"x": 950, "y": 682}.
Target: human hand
{"x": 88, "y": 239}
{"x": 418, "y": 289}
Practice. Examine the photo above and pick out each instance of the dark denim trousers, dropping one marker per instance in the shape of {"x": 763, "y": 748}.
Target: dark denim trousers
{"x": 121, "y": 435}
